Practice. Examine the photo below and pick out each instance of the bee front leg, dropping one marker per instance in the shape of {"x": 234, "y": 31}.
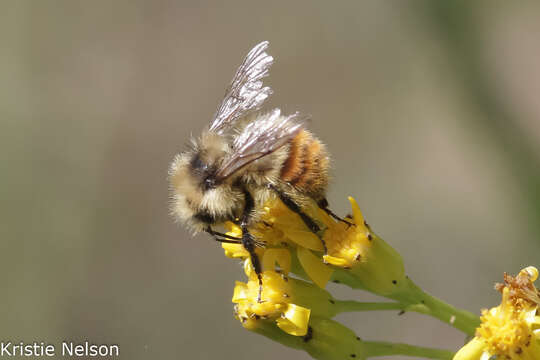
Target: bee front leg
{"x": 224, "y": 238}
{"x": 249, "y": 242}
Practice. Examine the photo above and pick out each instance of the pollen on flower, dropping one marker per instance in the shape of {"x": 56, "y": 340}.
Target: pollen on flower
{"x": 509, "y": 330}
{"x": 522, "y": 291}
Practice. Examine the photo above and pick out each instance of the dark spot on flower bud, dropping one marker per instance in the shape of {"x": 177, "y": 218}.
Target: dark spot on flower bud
{"x": 358, "y": 338}
{"x": 369, "y": 237}
{"x": 309, "y": 334}
{"x": 353, "y": 355}
{"x": 394, "y": 282}
{"x": 332, "y": 301}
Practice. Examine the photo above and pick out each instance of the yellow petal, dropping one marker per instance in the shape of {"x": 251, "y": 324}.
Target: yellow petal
{"x": 357, "y": 214}
{"x": 233, "y": 229}
{"x": 314, "y": 267}
{"x": 336, "y": 261}
{"x": 240, "y": 292}
{"x": 531, "y": 271}
{"x": 472, "y": 351}
{"x": 234, "y": 250}
{"x": 295, "y": 320}
{"x": 304, "y": 238}
{"x": 248, "y": 269}
{"x": 250, "y": 324}
{"x": 280, "y": 256}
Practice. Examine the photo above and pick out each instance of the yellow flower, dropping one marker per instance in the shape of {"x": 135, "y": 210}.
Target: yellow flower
{"x": 348, "y": 244}
{"x": 287, "y": 301}
{"x": 276, "y": 304}
{"x": 367, "y": 257}
{"x": 512, "y": 329}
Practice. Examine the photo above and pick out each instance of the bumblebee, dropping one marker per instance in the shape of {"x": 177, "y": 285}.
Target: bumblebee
{"x": 245, "y": 157}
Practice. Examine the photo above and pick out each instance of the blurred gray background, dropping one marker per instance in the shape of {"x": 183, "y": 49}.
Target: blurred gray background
{"x": 430, "y": 110}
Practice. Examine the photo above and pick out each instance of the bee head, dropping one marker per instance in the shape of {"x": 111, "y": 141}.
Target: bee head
{"x": 210, "y": 152}
{"x": 199, "y": 197}
{"x": 204, "y": 171}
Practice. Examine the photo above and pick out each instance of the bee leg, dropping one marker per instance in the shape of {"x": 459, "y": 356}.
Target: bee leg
{"x": 224, "y": 238}
{"x": 294, "y": 207}
{"x": 249, "y": 245}
{"x": 249, "y": 242}
{"x": 323, "y": 204}
{"x": 226, "y": 241}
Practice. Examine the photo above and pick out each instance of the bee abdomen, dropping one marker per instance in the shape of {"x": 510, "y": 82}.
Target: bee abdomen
{"x": 306, "y": 167}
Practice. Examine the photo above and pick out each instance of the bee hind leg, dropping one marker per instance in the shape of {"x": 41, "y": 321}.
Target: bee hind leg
{"x": 294, "y": 207}
{"x": 323, "y": 204}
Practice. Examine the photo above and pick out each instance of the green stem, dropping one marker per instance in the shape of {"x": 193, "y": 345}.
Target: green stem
{"x": 330, "y": 340}
{"x": 420, "y": 301}
{"x": 412, "y": 298}
{"x": 351, "y": 306}
{"x": 376, "y": 348}
{"x": 409, "y": 296}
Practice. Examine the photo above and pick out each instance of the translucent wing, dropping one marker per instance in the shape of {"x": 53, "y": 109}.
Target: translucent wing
{"x": 246, "y": 92}
{"x": 261, "y": 137}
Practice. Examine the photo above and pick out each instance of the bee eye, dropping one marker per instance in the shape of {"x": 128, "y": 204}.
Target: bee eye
{"x": 209, "y": 183}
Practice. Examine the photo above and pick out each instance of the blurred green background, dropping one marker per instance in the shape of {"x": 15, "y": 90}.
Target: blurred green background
{"x": 429, "y": 108}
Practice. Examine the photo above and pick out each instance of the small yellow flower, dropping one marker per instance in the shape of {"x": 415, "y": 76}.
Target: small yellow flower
{"x": 512, "y": 329}
{"x": 275, "y": 305}
{"x": 377, "y": 265}
{"x": 348, "y": 244}
{"x": 287, "y": 301}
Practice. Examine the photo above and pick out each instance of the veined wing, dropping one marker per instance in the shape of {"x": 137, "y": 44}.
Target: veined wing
{"x": 246, "y": 92}
{"x": 264, "y": 135}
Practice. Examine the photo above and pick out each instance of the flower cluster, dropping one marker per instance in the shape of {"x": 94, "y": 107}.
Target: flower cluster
{"x": 292, "y": 306}
{"x": 351, "y": 246}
